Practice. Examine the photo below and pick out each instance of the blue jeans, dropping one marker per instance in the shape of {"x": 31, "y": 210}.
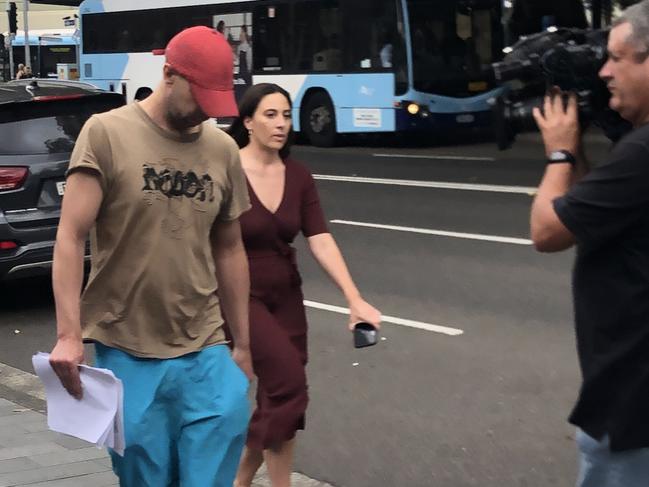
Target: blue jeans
{"x": 600, "y": 467}
{"x": 185, "y": 419}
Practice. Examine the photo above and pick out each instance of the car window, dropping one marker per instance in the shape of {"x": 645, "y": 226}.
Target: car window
{"x": 48, "y": 127}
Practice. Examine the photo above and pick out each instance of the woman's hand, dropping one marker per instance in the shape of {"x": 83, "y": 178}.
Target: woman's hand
{"x": 361, "y": 310}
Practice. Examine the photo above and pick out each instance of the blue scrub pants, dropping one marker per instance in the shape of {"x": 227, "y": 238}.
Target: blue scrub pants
{"x": 185, "y": 419}
{"x": 600, "y": 467}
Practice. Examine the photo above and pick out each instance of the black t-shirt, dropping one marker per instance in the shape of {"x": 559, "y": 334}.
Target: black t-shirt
{"x": 608, "y": 213}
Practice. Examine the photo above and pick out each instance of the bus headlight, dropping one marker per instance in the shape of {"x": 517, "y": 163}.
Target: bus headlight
{"x": 413, "y": 108}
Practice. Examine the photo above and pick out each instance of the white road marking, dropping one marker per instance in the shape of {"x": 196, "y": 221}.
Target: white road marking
{"x": 491, "y": 188}
{"x": 390, "y": 319}
{"x": 431, "y": 156}
{"x": 440, "y": 233}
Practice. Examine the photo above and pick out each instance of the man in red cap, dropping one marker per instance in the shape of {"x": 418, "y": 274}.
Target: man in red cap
{"x": 161, "y": 192}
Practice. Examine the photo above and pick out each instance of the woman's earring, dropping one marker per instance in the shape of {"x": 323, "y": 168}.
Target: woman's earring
{"x": 249, "y": 131}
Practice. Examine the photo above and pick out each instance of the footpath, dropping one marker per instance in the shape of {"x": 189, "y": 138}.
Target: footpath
{"x": 31, "y": 455}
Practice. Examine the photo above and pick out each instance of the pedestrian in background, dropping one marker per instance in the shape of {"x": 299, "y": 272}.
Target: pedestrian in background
{"x": 161, "y": 193}
{"x": 20, "y": 73}
{"x": 284, "y": 202}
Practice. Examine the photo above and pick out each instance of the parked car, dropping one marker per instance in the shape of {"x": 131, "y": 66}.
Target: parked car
{"x": 39, "y": 123}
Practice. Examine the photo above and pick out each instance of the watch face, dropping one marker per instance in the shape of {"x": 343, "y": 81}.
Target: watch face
{"x": 559, "y": 156}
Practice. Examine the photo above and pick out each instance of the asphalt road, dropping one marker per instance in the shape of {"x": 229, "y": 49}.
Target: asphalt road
{"x": 483, "y": 408}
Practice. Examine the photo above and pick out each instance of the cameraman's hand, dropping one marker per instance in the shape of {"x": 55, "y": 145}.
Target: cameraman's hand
{"x": 559, "y": 125}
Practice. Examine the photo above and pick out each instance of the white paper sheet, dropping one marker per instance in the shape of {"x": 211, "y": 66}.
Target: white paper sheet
{"x": 97, "y": 417}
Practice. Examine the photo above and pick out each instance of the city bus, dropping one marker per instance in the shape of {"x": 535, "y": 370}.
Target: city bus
{"x": 350, "y": 65}
{"x": 47, "y": 48}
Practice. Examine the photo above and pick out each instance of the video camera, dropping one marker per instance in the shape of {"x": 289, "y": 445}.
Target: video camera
{"x": 569, "y": 59}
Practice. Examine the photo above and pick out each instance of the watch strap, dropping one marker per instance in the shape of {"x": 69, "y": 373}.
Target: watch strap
{"x": 561, "y": 156}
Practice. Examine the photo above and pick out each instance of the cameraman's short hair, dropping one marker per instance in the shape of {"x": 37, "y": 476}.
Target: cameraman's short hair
{"x": 638, "y": 17}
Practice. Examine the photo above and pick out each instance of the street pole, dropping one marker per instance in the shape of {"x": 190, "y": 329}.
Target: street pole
{"x": 28, "y": 59}
{"x": 8, "y": 43}
{"x": 12, "y": 72}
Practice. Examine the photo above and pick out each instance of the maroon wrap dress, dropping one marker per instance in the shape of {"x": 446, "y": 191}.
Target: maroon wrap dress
{"x": 278, "y": 325}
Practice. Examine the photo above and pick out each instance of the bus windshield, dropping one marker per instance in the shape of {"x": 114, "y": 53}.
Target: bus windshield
{"x": 452, "y": 42}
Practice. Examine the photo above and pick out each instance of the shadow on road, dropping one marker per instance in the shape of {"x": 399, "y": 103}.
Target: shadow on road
{"x": 24, "y": 294}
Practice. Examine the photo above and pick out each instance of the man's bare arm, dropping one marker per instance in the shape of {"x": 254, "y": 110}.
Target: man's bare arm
{"x": 234, "y": 287}
{"x": 83, "y": 197}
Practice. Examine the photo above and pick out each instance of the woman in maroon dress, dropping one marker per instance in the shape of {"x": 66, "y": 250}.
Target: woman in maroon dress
{"x": 284, "y": 202}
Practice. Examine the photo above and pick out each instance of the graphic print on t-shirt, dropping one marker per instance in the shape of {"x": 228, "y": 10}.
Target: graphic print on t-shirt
{"x": 184, "y": 188}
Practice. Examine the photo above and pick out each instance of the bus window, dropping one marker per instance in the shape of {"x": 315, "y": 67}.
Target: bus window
{"x": 326, "y": 47}
{"x": 124, "y": 32}
{"x": 529, "y": 17}
{"x": 375, "y": 34}
{"x": 302, "y": 37}
{"x": 269, "y": 22}
{"x": 19, "y": 55}
{"x": 52, "y": 55}
{"x": 238, "y": 29}
{"x": 452, "y": 43}
{"x": 331, "y": 36}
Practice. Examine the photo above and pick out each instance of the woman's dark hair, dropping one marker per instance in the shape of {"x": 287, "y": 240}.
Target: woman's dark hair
{"x": 247, "y": 108}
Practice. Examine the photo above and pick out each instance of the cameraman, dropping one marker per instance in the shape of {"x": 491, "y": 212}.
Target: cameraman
{"x": 605, "y": 212}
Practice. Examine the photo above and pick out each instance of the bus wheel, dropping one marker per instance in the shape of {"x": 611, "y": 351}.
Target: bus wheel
{"x": 143, "y": 93}
{"x": 318, "y": 120}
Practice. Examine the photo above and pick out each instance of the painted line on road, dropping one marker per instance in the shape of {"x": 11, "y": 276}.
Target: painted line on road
{"x": 390, "y": 319}
{"x": 431, "y": 156}
{"x": 439, "y": 233}
{"x": 490, "y": 188}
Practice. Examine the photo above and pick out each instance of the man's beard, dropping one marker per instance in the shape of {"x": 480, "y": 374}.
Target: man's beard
{"x": 182, "y": 123}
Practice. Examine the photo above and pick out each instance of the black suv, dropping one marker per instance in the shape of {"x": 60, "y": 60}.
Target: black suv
{"x": 39, "y": 123}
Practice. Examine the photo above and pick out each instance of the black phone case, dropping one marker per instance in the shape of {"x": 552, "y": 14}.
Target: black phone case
{"x": 365, "y": 335}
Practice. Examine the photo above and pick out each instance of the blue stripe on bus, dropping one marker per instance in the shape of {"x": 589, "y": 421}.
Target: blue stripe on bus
{"x": 350, "y": 93}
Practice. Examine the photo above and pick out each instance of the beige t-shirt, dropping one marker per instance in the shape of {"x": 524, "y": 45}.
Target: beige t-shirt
{"x": 151, "y": 290}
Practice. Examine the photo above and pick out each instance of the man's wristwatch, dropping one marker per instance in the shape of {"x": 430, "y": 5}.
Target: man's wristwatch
{"x": 559, "y": 156}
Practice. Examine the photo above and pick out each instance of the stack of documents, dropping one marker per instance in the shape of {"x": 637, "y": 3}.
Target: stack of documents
{"x": 97, "y": 417}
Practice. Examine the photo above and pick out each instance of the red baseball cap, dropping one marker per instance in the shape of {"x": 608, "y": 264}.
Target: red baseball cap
{"x": 204, "y": 58}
